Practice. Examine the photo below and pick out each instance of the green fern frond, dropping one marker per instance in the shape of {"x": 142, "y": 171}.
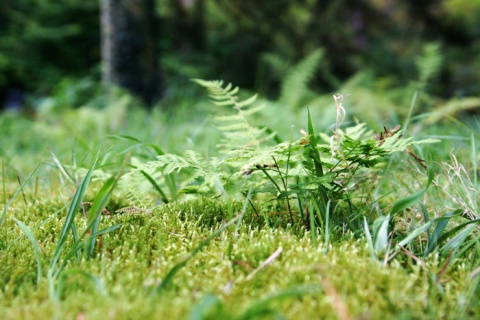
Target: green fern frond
{"x": 294, "y": 86}
{"x": 237, "y": 131}
{"x": 197, "y": 173}
{"x": 429, "y": 63}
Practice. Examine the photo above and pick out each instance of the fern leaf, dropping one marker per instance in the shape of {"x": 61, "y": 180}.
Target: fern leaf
{"x": 294, "y": 86}
{"x": 429, "y": 63}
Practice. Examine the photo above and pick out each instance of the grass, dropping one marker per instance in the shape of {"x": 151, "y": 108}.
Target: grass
{"x": 132, "y": 262}
{"x": 84, "y": 237}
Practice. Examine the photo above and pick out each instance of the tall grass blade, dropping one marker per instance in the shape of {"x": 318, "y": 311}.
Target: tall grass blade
{"x": 155, "y": 186}
{"x": 63, "y": 170}
{"x": 368, "y": 235}
{"x": 79, "y": 245}
{"x": 95, "y": 281}
{"x": 441, "y": 224}
{"x": 381, "y": 235}
{"x": 36, "y": 248}
{"x": 19, "y": 190}
{"x": 410, "y": 200}
{"x": 456, "y": 242}
{"x": 72, "y": 211}
{"x": 99, "y": 203}
{"x": 415, "y": 233}
{"x": 314, "y": 153}
{"x": 452, "y": 232}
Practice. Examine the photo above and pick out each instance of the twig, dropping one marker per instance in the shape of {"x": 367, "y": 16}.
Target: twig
{"x": 265, "y": 263}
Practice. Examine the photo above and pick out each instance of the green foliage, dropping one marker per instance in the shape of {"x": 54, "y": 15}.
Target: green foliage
{"x": 294, "y": 85}
{"x": 43, "y": 40}
{"x": 291, "y": 251}
{"x": 314, "y": 175}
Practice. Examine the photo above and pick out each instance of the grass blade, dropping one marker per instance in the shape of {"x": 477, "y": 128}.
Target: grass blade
{"x": 458, "y": 240}
{"x": 19, "y": 190}
{"x": 72, "y": 211}
{"x": 155, "y": 186}
{"x": 406, "y": 202}
{"x": 36, "y": 248}
{"x": 313, "y": 153}
{"x": 381, "y": 235}
{"x": 439, "y": 228}
{"x": 99, "y": 203}
{"x": 368, "y": 235}
{"x": 415, "y": 233}
{"x": 95, "y": 281}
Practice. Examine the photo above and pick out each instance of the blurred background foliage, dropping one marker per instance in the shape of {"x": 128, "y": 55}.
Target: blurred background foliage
{"x": 52, "y": 48}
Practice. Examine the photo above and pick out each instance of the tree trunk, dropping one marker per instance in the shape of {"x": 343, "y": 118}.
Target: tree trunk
{"x": 129, "y": 49}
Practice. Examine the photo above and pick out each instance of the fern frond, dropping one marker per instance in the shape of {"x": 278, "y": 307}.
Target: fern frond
{"x": 238, "y": 133}
{"x": 429, "y": 63}
{"x": 294, "y": 86}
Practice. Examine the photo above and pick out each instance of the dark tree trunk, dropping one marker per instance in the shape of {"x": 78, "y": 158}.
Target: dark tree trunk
{"x": 129, "y": 49}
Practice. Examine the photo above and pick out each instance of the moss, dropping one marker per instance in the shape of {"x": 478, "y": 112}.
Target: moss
{"x": 136, "y": 257}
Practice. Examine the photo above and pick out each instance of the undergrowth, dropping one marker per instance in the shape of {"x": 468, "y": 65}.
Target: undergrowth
{"x": 338, "y": 221}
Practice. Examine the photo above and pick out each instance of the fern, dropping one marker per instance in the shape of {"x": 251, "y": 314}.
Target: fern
{"x": 294, "y": 86}
{"x": 239, "y": 135}
{"x": 429, "y": 63}
{"x": 287, "y": 170}
{"x": 200, "y": 176}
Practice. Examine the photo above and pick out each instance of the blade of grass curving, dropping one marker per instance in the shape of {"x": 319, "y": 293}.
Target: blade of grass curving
{"x": 263, "y": 306}
{"x": 155, "y": 186}
{"x": 452, "y": 232}
{"x": 410, "y": 200}
{"x": 72, "y": 211}
{"x": 271, "y": 179}
{"x": 79, "y": 246}
{"x": 314, "y": 153}
{"x": 172, "y": 186}
{"x": 313, "y": 228}
{"x": 441, "y": 224}
{"x": 206, "y": 303}
{"x": 410, "y": 110}
{"x": 456, "y": 242}
{"x": 465, "y": 247}
{"x": 415, "y": 233}
{"x": 368, "y": 235}
{"x": 156, "y": 148}
{"x": 176, "y": 268}
{"x": 19, "y": 190}
{"x": 99, "y": 203}
{"x": 327, "y": 227}
{"x": 36, "y": 248}
{"x": 381, "y": 234}
{"x": 62, "y": 169}
{"x": 97, "y": 283}
{"x": 153, "y": 183}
